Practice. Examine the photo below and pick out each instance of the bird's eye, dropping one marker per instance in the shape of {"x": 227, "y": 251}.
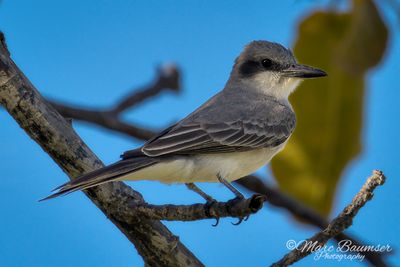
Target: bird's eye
{"x": 267, "y": 63}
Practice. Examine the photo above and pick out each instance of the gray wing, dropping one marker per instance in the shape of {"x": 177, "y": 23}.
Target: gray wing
{"x": 224, "y": 124}
{"x": 217, "y": 138}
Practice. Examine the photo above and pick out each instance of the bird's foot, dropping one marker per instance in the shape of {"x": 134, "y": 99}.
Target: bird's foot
{"x": 208, "y": 206}
{"x": 210, "y": 201}
{"x": 239, "y": 197}
{"x": 255, "y": 204}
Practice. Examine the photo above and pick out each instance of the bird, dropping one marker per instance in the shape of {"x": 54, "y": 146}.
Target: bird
{"x": 234, "y": 133}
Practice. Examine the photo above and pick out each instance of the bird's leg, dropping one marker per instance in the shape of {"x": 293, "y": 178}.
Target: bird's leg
{"x": 230, "y": 187}
{"x": 196, "y": 189}
{"x": 207, "y": 197}
{"x": 239, "y": 196}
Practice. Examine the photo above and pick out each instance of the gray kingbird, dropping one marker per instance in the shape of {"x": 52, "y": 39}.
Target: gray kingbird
{"x": 230, "y": 136}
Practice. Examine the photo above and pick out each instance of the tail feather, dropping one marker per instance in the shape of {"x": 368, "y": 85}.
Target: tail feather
{"x": 103, "y": 175}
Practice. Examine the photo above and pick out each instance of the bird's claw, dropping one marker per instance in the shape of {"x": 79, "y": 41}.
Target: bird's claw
{"x": 239, "y": 221}
{"x": 208, "y": 206}
{"x": 216, "y": 222}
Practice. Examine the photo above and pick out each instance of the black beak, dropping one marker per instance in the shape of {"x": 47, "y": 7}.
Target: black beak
{"x": 303, "y": 71}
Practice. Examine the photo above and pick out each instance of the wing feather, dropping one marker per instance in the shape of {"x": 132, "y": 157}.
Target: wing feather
{"x": 211, "y": 129}
{"x": 216, "y": 138}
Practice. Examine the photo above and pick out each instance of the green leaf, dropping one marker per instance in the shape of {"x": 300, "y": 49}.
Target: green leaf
{"x": 330, "y": 110}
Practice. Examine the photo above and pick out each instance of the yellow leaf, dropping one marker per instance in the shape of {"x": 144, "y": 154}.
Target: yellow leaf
{"x": 329, "y": 110}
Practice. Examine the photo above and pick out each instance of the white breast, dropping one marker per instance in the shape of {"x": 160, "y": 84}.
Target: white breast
{"x": 205, "y": 167}
{"x": 231, "y": 166}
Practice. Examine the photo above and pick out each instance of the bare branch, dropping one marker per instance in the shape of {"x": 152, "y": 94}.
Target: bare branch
{"x": 154, "y": 242}
{"x": 239, "y": 208}
{"x": 278, "y": 199}
{"x": 297, "y": 209}
{"x": 168, "y": 78}
{"x": 104, "y": 119}
{"x": 339, "y": 224}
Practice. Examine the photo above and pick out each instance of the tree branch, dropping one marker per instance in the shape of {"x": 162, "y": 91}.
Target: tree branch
{"x": 104, "y": 119}
{"x": 297, "y": 209}
{"x": 239, "y": 208}
{"x": 168, "y": 78}
{"x": 339, "y": 224}
{"x": 155, "y": 243}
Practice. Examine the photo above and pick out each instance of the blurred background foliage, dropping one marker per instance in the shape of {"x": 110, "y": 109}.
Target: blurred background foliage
{"x": 330, "y": 111}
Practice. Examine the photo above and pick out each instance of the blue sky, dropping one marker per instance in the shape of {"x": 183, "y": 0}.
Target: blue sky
{"x": 92, "y": 53}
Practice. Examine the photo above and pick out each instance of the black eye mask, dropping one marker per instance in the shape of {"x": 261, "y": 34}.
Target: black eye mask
{"x": 252, "y": 67}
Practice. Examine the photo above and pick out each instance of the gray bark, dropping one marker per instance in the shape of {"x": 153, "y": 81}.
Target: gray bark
{"x": 155, "y": 243}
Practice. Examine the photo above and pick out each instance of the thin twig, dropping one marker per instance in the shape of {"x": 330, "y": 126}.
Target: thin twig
{"x": 338, "y": 225}
{"x": 168, "y": 78}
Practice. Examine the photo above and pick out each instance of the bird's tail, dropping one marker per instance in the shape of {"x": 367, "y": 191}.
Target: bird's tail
{"x": 107, "y": 174}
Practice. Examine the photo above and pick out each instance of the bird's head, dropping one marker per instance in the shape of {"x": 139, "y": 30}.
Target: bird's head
{"x": 271, "y": 68}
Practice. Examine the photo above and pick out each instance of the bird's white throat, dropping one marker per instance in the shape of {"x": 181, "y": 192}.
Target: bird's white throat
{"x": 273, "y": 84}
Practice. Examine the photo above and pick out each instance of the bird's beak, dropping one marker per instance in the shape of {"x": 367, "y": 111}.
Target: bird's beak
{"x": 303, "y": 71}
